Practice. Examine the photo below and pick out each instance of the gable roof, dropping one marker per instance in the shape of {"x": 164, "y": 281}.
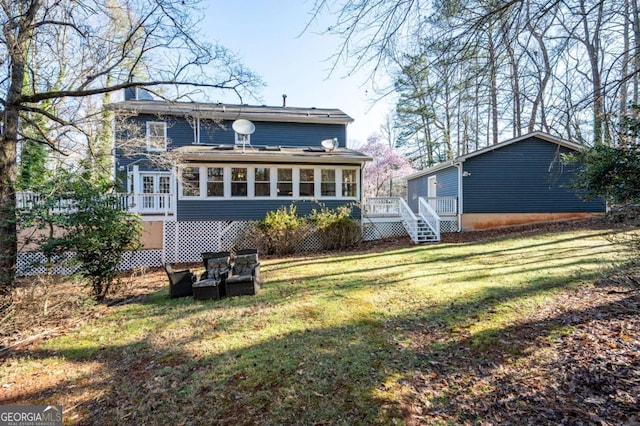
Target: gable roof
{"x": 220, "y": 111}
{"x": 540, "y": 135}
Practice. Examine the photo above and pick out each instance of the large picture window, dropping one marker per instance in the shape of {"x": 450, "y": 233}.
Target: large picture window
{"x": 328, "y": 184}
{"x": 285, "y": 182}
{"x": 349, "y": 183}
{"x": 156, "y": 136}
{"x": 238, "y": 182}
{"x": 191, "y": 182}
{"x": 215, "y": 182}
{"x": 307, "y": 187}
{"x": 262, "y": 182}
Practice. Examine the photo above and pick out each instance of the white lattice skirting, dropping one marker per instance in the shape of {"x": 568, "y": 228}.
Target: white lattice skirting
{"x": 184, "y": 242}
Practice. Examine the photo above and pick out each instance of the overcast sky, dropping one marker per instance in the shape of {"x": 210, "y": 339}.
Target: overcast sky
{"x": 267, "y": 36}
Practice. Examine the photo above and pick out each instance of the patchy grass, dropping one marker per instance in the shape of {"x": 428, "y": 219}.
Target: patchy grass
{"x": 344, "y": 338}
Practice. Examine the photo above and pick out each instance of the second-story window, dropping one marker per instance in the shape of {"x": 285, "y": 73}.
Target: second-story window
{"x": 240, "y": 139}
{"x": 156, "y": 136}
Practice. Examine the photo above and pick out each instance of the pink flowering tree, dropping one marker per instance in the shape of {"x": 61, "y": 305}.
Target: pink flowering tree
{"x": 385, "y": 175}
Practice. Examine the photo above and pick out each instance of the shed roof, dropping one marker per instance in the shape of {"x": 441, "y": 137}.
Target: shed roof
{"x": 235, "y": 153}
{"x": 220, "y": 111}
{"x": 540, "y": 135}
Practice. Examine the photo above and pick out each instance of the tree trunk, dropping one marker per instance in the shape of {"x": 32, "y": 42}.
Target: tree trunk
{"x": 8, "y": 174}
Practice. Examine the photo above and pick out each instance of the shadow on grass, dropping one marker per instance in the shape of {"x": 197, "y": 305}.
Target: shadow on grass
{"x": 172, "y": 365}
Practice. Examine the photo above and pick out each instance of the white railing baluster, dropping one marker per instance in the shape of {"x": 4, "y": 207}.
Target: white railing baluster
{"x": 429, "y": 215}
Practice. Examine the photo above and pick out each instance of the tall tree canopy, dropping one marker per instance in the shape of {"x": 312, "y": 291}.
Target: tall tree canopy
{"x": 469, "y": 73}
{"x": 61, "y": 57}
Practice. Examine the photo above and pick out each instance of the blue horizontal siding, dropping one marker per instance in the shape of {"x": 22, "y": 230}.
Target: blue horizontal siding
{"x": 447, "y": 186}
{"x": 525, "y": 177}
{"x": 180, "y": 132}
{"x": 188, "y": 210}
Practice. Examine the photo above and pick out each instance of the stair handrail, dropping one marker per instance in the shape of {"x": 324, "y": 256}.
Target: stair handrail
{"x": 429, "y": 215}
{"x": 409, "y": 219}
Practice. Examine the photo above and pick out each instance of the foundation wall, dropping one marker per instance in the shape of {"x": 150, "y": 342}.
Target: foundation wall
{"x": 28, "y": 238}
{"x": 478, "y": 221}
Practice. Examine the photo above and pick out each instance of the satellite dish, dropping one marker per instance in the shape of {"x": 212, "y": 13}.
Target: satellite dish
{"x": 243, "y": 127}
{"x": 330, "y": 144}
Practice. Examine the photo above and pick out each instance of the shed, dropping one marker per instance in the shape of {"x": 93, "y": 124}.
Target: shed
{"x": 518, "y": 181}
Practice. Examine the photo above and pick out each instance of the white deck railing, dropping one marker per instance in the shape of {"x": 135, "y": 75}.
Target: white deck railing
{"x": 429, "y": 215}
{"x": 382, "y": 207}
{"x": 156, "y": 204}
{"x": 409, "y": 219}
{"x": 444, "y": 205}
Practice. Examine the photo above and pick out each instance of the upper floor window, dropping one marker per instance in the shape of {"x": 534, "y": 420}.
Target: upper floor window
{"x": 156, "y": 136}
{"x": 240, "y": 139}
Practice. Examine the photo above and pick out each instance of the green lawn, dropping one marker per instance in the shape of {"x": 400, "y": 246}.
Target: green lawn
{"x": 330, "y": 339}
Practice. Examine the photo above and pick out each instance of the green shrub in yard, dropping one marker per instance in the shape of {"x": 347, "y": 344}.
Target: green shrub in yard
{"x": 337, "y": 229}
{"x": 280, "y": 232}
{"x": 96, "y": 231}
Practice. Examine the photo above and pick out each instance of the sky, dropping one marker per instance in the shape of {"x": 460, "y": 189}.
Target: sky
{"x": 269, "y": 39}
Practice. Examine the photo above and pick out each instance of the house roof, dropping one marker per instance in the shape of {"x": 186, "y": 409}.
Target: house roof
{"x": 540, "y": 135}
{"x": 234, "y": 153}
{"x": 219, "y": 111}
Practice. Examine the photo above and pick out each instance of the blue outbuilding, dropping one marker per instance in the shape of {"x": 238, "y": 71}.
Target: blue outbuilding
{"x": 522, "y": 180}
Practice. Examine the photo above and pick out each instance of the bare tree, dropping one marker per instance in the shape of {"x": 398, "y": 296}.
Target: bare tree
{"x": 71, "y": 53}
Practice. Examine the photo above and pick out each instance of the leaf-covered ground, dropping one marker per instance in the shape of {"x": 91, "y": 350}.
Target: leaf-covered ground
{"x": 574, "y": 360}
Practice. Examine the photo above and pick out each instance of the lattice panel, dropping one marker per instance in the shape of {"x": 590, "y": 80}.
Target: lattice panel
{"x": 448, "y": 225}
{"x": 33, "y": 263}
{"x": 141, "y": 259}
{"x": 383, "y": 230}
{"x": 186, "y": 241}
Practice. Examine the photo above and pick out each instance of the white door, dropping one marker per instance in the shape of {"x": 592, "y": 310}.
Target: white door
{"x": 155, "y": 190}
{"x": 432, "y": 191}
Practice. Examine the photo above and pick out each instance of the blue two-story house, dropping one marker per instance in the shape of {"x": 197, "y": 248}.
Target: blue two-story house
{"x": 191, "y": 175}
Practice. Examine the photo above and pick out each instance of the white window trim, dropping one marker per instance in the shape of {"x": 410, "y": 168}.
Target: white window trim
{"x": 273, "y": 179}
{"x": 148, "y": 136}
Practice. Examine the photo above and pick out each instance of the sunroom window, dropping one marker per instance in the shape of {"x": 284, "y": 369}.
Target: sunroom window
{"x": 215, "y": 182}
{"x": 191, "y": 182}
{"x": 328, "y": 184}
{"x": 307, "y": 187}
{"x": 349, "y": 183}
{"x": 238, "y": 182}
{"x": 285, "y": 182}
{"x": 262, "y": 183}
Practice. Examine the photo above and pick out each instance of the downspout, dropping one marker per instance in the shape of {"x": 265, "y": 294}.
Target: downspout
{"x": 460, "y": 186}
{"x": 362, "y": 200}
